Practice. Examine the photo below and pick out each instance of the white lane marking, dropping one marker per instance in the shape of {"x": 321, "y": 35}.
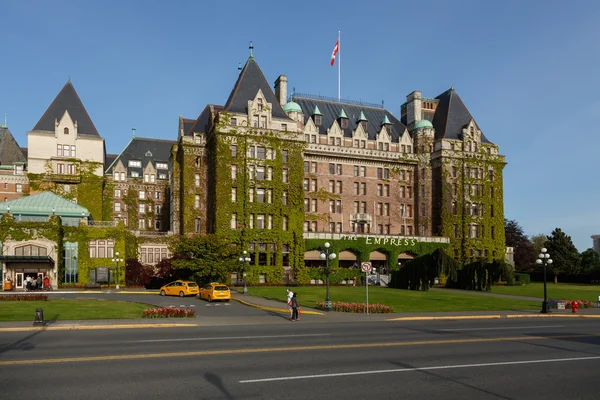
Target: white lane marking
{"x": 228, "y": 338}
{"x": 387, "y": 371}
{"x": 503, "y": 327}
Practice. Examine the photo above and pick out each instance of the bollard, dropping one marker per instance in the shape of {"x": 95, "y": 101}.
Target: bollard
{"x": 39, "y": 316}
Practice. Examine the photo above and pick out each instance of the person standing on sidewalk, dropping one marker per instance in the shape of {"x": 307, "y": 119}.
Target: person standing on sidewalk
{"x": 290, "y": 294}
{"x": 294, "y": 308}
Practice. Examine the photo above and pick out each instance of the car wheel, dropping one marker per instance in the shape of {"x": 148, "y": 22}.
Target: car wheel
{"x": 162, "y": 293}
{"x": 181, "y": 294}
{"x": 209, "y": 300}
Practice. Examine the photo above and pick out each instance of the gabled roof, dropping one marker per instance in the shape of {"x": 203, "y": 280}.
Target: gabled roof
{"x": 250, "y": 80}
{"x": 331, "y": 111}
{"x": 145, "y": 150}
{"x": 451, "y": 116}
{"x": 109, "y": 158}
{"x": 10, "y": 152}
{"x": 202, "y": 124}
{"x": 67, "y": 100}
{"x": 45, "y": 203}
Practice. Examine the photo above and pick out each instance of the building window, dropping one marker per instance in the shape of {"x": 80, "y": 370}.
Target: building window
{"x": 313, "y": 205}
{"x": 285, "y": 223}
{"x": 101, "y": 248}
{"x": 284, "y": 155}
{"x": 260, "y": 195}
{"x": 356, "y": 170}
{"x": 260, "y": 173}
{"x": 197, "y": 224}
{"x": 332, "y": 169}
{"x": 260, "y": 153}
{"x": 59, "y": 150}
{"x": 338, "y": 169}
{"x": 306, "y": 183}
{"x": 234, "y": 222}
{"x": 263, "y": 122}
{"x": 158, "y": 209}
{"x": 197, "y": 201}
{"x": 135, "y": 163}
{"x": 313, "y": 185}
{"x": 122, "y": 176}
{"x": 117, "y": 206}
{"x": 233, "y": 148}
{"x": 19, "y": 188}
{"x": 386, "y": 209}
{"x": 285, "y": 175}
{"x": 285, "y": 197}
{"x": 157, "y": 195}
{"x": 142, "y": 208}
{"x": 363, "y": 188}
{"x": 313, "y": 167}
{"x": 152, "y": 178}
{"x": 234, "y": 121}
{"x": 117, "y": 192}
{"x": 162, "y": 166}
{"x": 135, "y": 174}
{"x": 260, "y": 221}
{"x": 142, "y": 195}
{"x": 234, "y": 195}
{"x": 363, "y": 171}
{"x": 284, "y": 127}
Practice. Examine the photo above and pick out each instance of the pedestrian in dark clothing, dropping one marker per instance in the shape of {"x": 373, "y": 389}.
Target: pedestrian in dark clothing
{"x": 294, "y": 308}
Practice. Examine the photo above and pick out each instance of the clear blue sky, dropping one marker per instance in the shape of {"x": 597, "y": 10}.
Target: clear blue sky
{"x": 527, "y": 71}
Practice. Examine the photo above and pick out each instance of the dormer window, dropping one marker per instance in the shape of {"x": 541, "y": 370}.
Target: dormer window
{"x": 66, "y": 131}
{"x": 344, "y": 123}
{"x": 148, "y": 153}
{"x": 234, "y": 121}
{"x": 260, "y": 105}
{"x": 318, "y": 120}
{"x": 135, "y": 163}
{"x": 364, "y": 125}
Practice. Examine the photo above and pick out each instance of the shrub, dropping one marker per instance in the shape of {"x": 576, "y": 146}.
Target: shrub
{"x": 168, "y": 312}
{"x": 24, "y": 297}
{"x": 582, "y": 304}
{"x": 522, "y": 279}
{"x": 356, "y": 307}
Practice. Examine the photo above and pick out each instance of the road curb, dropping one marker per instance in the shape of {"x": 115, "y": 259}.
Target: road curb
{"x": 445, "y": 317}
{"x": 92, "y": 327}
{"x": 279, "y": 310}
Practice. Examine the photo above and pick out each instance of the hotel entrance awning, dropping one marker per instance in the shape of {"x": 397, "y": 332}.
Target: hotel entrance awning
{"x": 27, "y": 259}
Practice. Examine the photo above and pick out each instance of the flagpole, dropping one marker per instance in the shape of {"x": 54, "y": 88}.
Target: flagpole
{"x": 339, "y": 67}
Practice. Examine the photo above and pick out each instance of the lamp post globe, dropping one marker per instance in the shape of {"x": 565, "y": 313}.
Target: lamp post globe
{"x": 245, "y": 260}
{"x": 544, "y": 258}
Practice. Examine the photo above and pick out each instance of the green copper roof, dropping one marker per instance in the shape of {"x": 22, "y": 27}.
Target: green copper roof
{"x": 292, "y": 107}
{"x": 317, "y": 111}
{"x": 362, "y": 117}
{"x": 422, "y": 124}
{"x": 385, "y": 121}
{"x": 342, "y": 114}
{"x": 45, "y": 203}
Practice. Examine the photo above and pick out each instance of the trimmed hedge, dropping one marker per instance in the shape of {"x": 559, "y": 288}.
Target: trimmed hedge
{"x": 522, "y": 279}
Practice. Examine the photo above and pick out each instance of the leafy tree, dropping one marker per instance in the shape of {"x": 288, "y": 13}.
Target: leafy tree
{"x": 524, "y": 253}
{"x": 590, "y": 261}
{"x": 564, "y": 255}
{"x": 209, "y": 258}
{"x": 538, "y": 241}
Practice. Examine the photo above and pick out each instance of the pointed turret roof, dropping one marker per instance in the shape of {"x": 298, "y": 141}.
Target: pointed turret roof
{"x": 10, "y": 152}
{"x": 451, "y": 116}
{"x": 316, "y": 111}
{"x": 67, "y": 100}
{"x": 250, "y": 80}
{"x": 362, "y": 117}
{"x": 342, "y": 114}
{"x": 385, "y": 121}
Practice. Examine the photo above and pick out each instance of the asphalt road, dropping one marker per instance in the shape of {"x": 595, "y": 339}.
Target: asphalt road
{"x": 475, "y": 359}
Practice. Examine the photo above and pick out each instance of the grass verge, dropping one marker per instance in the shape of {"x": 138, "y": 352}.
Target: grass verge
{"x": 398, "y": 300}
{"x": 560, "y": 291}
{"x": 71, "y": 310}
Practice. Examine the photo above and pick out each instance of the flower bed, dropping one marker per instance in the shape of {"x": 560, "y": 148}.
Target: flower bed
{"x": 582, "y": 304}
{"x": 168, "y": 312}
{"x": 23, "y": 297}
{"x": 356, "y": 307}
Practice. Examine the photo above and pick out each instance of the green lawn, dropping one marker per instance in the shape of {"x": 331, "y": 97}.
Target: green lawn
{"x": 70, "y": 310}
{"x": 398, "y": 300}
{"x": 560, "y": 291}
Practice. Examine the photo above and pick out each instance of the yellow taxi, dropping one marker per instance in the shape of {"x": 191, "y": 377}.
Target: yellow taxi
{"x": 180, "y": 288}
{"x": 215, "y": 291}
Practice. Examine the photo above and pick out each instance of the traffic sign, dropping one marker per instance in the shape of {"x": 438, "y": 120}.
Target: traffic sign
{"x": 365, "y": 267}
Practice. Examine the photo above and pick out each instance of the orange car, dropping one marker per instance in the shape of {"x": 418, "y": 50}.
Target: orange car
{"x": 180, "y": 288}
{"x": 215, "y": 291}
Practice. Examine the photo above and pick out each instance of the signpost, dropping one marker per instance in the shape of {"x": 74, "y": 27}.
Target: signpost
{"x": 366, "y": 268}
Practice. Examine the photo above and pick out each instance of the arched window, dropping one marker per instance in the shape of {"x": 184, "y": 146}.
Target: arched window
{"x": 66, "y": 131}
{"x": 30, "y": 250}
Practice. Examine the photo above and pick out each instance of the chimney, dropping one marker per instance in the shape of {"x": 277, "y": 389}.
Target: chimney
{"x": 281, "y": 89}
{"x": 413, "y": 107}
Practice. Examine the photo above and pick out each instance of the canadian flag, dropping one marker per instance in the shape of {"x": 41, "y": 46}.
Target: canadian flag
{"x": 335, "y": 50}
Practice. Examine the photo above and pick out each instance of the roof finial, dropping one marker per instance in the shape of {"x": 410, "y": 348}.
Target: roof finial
{"x": 239, "y": 66}
{"x": 4, "y": 126}
{"x": 133, "y": 133}
{"x": 251, "y": 47}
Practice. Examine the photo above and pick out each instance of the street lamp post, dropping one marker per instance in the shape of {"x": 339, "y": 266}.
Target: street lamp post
{"x": 327, "y": 255}
{"x": 117, "y": 260}
{"x": 245, "y": 259}
{"x": 544, "y": 258}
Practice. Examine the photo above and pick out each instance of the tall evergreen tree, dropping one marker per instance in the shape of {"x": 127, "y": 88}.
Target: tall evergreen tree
{"x": 523, "y": 249}
{"x": 564, "y": 254}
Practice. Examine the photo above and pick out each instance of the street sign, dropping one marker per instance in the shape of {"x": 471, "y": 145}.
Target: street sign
{"x": 365, "y": 267}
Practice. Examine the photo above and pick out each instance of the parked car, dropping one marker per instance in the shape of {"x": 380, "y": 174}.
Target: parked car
{"x": 180, "y": 288}
{"x": 215, "y": 291}
{"x": 155, "y": 283}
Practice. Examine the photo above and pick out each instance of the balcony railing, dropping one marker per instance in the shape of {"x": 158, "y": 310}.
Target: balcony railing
{"x": 102, "y": 224}
{"x": 361, "y": 217}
